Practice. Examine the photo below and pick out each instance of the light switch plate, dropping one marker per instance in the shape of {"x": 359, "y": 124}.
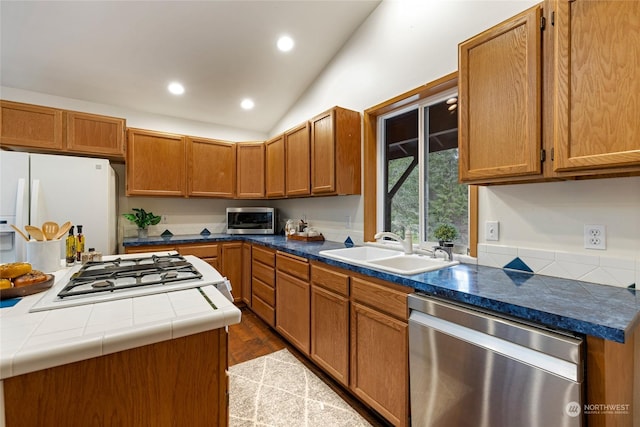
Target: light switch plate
{"x": 492, "y": 230}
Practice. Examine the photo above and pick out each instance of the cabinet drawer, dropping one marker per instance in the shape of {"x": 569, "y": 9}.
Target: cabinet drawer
{"x": 263, "y": 310}
{"x": 381, "y": 297}
{"x": 148, "y": 248}
{"x": 330, "y": 279}
{"x": 201, "y": 251}
{"x": 264, "y": 273}
{"x": 264, "y": 255}
{"x": 293, "y": 265}
{"x": 263, "y": 291}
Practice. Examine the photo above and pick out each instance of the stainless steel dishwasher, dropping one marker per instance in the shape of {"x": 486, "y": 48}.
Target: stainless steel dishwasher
{"x": 469, "y": 367}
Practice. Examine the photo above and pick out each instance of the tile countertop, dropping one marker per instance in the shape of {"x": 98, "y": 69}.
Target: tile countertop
{"x": 34, "y": 341}
{"x": 585, "y": 308}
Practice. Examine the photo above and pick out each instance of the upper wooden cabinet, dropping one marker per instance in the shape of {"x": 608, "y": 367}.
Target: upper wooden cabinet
{"x": 297, "y": 148}
{"x": 93, "y": 134}
{"x": 53, "y": 130}
{"x": 250, "y": 170}
{"x": 275, "y": 167}
{"x": 155, "y": 163}
{"x": 500, "y": 100}
{"x": 30, "y": 126}
{"x": 335, "y": 152}
{"x": 211, "y": 168}
{"x": 568, "y": 102}
{"x": 596, "y": 84}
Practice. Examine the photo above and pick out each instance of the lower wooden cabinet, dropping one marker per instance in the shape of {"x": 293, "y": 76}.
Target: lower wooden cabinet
{"x": 263, "y": 283}
{"x": 330, "y": 322}
{"x": 292, "y": 300}
{"x": 246, "y": 273}
{"x": 231, "y": 267}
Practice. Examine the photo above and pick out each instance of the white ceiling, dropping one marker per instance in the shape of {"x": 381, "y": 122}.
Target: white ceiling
{"x": 124, "y": 53}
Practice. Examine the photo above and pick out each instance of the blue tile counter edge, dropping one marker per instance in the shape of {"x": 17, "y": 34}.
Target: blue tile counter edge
{"x": 584, "y": 308}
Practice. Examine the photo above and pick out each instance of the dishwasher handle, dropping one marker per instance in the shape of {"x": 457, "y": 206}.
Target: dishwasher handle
{"x": 508, "y": 349}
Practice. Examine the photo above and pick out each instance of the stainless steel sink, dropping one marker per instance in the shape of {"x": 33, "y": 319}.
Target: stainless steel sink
{"x": 388, "y": 259}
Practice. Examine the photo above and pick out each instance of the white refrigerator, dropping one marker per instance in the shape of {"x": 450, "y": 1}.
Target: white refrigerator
{"x": 35, "y": 188}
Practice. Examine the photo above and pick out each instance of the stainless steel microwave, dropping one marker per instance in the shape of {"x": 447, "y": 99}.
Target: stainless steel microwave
{"x": 254, "y": 220}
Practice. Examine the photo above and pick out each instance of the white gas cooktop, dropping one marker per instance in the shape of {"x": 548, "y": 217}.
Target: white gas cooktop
{"x": 128, "y": 276}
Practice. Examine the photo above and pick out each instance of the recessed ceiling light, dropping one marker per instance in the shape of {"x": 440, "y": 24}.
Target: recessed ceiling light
{"x": 285, "y": 43}
{"x": 176, "y": 88}
{"x": 247, "y": 104}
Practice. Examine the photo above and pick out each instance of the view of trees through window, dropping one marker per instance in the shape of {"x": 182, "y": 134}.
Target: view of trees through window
{"x": 443, "y": 199}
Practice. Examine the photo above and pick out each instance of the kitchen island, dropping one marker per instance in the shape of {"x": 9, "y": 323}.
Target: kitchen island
{"x": 150, "y": 360}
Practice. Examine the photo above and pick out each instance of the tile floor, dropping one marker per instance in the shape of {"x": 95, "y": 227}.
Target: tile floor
{"x": 278, "y": 390}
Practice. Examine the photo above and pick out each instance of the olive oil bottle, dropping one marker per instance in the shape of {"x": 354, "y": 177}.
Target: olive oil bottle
{"x": 70, "y": 248}
{"x": 79, "y": 244}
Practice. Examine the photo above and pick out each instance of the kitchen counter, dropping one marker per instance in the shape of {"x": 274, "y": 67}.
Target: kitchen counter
{"x": 585, "y": 308}
{"x": 34, "y": 341}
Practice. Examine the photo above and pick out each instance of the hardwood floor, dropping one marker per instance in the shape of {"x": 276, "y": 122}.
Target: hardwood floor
{"x": 253, "y": 338}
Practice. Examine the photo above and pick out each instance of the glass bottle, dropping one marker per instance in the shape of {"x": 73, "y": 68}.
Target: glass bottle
{"x": 79, "y": 244}
{"x": 70, "y": 255}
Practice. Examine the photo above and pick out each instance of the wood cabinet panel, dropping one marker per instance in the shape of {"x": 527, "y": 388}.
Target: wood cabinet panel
{"x": 264, "y": 291}
{"x": 597, "y": 81}
{"x": 30, "y": 126}
{"x": 149, "y": 248}
{"x": 211, "y": 167}
{"x": 382, "y": 297}
{"x": 275, "y": 171}
{"x": 292, "y": 308}
{"x": 265, "y": 311}
{"x": 293, "y": 265}
{"x": 94, "y": 134}
{"x": 330, "y": 278}
{"x": 231, "y": 267}
{"x": 297, "y": 161}
{"x": 208, "y": 250}
{"x": 263, "y": 272}
{"x": 500, "y": 98}
{"x": 264, "y": 255}
{"x": 156, "y": 164}
{"x": 379, "y": 344}
{"x": 246, "y": 273}
{"x": 250, "y": 170}
{"x": 336, "y": 152}
{"x": 153, "y": 385}
{"x": 330, "y": 332}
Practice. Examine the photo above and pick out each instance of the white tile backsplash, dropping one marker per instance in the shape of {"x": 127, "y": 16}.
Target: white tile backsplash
{"x": 620, "y": 272}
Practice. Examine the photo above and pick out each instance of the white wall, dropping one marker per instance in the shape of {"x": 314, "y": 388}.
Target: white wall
{"x": 135, "y": 119}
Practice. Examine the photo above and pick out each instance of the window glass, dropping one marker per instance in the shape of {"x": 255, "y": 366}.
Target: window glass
{"x": 420, "y": 172}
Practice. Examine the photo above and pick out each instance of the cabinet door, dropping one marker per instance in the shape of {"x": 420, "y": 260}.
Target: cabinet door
{"x": 246, "y": 273}
{"x": 380, "y": 362}
{"x": 330, "y": 332}
{"x": 500, "y": 101}
{"x": 93, "y": 134}
{"x": 250, "y": 170}
{"x": 292, "y": 310}
{"x": 231, "y": 267}
{"x": 323, "y": 156}
{"x": 31, "y": 126}
{"x": 275, "y": 170}
{"x": 156, "y": 164}
{"x": 297, "y": 154}
{"x": 597, "y": 82}
{"x": 211, "y": 167}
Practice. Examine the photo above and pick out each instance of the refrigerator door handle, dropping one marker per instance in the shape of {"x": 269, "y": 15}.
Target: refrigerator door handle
{"x": 35, "y": 201}
{"x": 21, "y": 213}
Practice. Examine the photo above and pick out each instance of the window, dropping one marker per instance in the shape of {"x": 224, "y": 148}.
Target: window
{"x": 418, "y": 185}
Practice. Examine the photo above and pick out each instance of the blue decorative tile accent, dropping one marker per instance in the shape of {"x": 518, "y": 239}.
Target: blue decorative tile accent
{"x": 349, "y": 242}
{"x": 517, "y": 277}
{"x": 9, "y": 302}
{"x": 166, "y": 233}
{"x": 205, "y": 232}
{"x": 518, "y": 264}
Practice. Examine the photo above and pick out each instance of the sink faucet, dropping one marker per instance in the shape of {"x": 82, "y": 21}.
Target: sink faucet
{"x": 445, "y": 249}
{"x": 407, "y": 242}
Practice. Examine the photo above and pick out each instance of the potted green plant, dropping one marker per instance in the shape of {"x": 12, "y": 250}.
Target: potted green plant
{"x": 445, "y": 234}
{"x": 142, "y": 219}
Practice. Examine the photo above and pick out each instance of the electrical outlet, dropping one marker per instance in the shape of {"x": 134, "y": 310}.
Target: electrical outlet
{"x": 595, "y": 237}
{"x": 164, "y": 219}
{"x": 492, "y": 230}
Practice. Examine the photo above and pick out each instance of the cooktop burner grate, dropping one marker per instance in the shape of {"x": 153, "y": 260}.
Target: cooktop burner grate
{"x": 126, "y": 273}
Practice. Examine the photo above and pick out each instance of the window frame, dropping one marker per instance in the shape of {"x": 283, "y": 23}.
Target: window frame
{"x": 372, "y": 156}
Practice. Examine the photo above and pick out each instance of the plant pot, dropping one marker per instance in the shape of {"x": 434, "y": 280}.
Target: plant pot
{"x": 143, "y": 233}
